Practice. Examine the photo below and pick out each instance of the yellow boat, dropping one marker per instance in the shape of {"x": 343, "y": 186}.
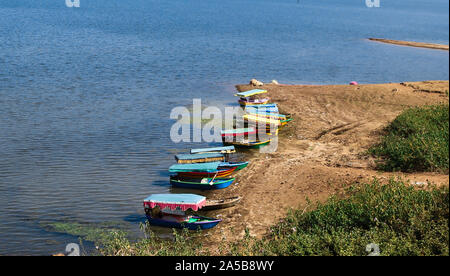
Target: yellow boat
{"x": 266, "y": 120}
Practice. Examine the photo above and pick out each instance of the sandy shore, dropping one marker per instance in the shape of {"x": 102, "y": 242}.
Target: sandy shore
{"x": 412, "y": 44}
{"x": 321, "y": 151}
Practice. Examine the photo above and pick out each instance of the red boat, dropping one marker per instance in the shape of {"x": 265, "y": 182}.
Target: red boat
{"x": 216, "y": 174}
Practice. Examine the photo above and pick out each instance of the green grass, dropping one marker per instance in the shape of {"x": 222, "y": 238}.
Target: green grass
{"x": 182, "y": 244}
{"x": 417, "y": 140}
{"x": 400, "y": 219}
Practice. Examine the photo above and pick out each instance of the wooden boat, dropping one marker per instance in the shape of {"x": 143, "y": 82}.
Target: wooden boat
{"x": 252, "y": 101}
{"x": 219, "y": 173}
{"x": 189, "y": 222}
{"x": 238, "y": 165}
{"x": 250, "y": 93}
{"x": 262, "y": 120}
{"x": 261, "y": 108}
{"x": 228, "y": 149}
{"x": 215, "y": 204}
{"x": 249, "y": 144}
{"x": 170, "y": 210}
{"x": 201, "y": 183}
{"x": 238, "y": 132}
{"x": 200, "y": 170}
{"x": 276, "y": 116}
{"x": 199, "y": 158}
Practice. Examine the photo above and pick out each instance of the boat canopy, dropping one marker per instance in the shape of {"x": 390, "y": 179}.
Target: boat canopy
{"x": 266, "y": 114}
{"x": 238, "y": 131}
{"x": 195, "y": 167}
{"x": 175, "y": 201}
{"x": 229, "y": 149}
{"x": 250, "y": 93}
{"x": 208, "y": 155}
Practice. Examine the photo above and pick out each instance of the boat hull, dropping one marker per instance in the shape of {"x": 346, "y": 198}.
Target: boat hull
{"x": 222, "y": 204}
{"x": 253, "y": 102}
{"x": 202, "y": 225}
{"x": 219, "y": 173}
{"x": 238, "y": 165}
{"x": 252, "y": 145}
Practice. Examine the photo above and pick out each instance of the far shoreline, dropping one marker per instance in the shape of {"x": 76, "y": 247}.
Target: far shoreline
{"x": 412, "y": 44}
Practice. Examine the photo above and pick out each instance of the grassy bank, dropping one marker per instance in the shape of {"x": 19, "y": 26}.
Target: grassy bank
{"x": 417, "y": 140}
{"x": 399, "y": 219}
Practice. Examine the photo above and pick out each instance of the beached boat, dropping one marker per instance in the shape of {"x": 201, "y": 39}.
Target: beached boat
{"x": 249, "y": 144}
{"x": 276, "y": 116}
{"x": 261, "y": 108}
{"x": 250, "y": 93}
{"x": 215, "y": 204}
{"x": 170, "y": 210}
{"x": 228, "y": 149}
{"x": 252, "y": 101}
{"x": 199, "y": 158}
{"x": 262, "y": 120}
{"x": 200, "y": 170}
{"x": 201, "y": 183}
{"x": 219, "y": 173}
{"x": 238, "y": 132}
{"x": 238, "y": 165}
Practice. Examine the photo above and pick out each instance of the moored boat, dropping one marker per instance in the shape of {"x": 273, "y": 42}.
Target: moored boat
{"x": 252, "y": 101}
{"x": 238, "y": 132}
{"x": 201, "y": 183}
{"x": 219, "y": 173}
{"x": 238, "y": 165}
{"x": 215, "y": 204}
{"x": 227, "y": 149}
{"x": 170, "y": 210}
{"x": 199, "y": 158}
{"x": 249, "y": 144}
{"x": 200, "y": 170}
{"x": 250, "y": 93}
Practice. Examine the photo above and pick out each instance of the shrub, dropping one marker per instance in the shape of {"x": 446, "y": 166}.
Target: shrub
{"x": 417, "y": 140}
{"x": 400, "y": 219}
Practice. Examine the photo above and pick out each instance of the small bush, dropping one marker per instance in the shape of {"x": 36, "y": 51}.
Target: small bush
{"x": 417, "y": 140}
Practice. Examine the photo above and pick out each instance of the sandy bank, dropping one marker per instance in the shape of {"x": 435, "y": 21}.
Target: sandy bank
{"x": 321, "y": 151}
{"x": 412, "y": 44}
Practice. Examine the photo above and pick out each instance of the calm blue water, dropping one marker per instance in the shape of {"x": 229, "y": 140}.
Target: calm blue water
{"x": 85, "y": 94}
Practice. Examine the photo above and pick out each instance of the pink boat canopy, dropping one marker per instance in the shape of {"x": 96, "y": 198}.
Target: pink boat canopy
{"x": 175, "y": 201}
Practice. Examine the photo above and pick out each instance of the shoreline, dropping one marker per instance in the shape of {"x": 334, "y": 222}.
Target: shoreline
{"x": 320, "y": 152}
{"x": 412, "y": 43}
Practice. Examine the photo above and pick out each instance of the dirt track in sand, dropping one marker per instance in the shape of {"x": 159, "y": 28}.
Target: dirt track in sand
{"x": 321, "y": 151}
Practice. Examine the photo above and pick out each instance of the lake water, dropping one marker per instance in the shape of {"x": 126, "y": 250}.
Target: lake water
{"x": 86, "y": 93}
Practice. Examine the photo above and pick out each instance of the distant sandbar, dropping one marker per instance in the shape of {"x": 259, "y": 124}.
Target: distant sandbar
{"x": 412, "y": 44}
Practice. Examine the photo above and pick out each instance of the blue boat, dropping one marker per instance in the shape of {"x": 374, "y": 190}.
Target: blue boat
{"x": 201, "y": 183}
{"x": 169, "y": 210}
{"x": 229, "y": 149}
{"x": 239, "y": 165}
{"x": 199, "y": 158}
